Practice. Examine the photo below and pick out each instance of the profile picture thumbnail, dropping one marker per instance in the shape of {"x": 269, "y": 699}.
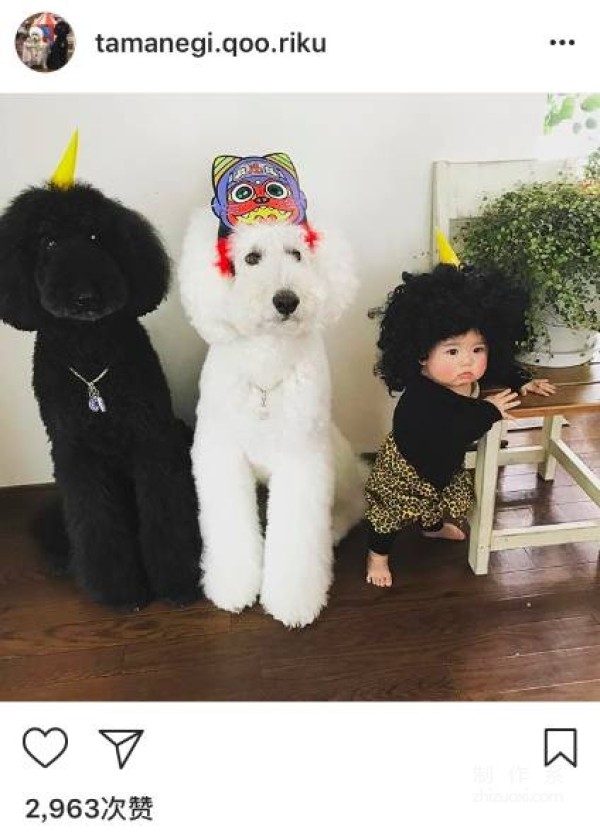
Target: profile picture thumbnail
{"x": 45, "y": 42}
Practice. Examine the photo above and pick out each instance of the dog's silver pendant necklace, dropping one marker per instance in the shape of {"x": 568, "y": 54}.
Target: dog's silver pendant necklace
{"x": 95, "y": 401}
{"x": 263, "y": 407}
{"x": 263, "y": 410}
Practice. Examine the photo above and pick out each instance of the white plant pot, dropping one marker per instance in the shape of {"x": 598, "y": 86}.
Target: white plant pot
{"x": 567, "y": 348}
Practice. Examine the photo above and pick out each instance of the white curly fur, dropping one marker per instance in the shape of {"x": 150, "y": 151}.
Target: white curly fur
{"x": 265, "y": 414}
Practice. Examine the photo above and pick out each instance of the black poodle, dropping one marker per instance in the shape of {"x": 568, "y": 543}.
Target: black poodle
{"x": 58, "y": 54}
{"x": 80, "y": 268}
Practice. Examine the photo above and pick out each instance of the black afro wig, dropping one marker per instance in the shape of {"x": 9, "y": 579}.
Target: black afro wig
{"x": 428, "y": 308}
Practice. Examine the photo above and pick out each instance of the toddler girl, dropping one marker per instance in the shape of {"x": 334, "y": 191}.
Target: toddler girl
{"x": 440, "y": 334}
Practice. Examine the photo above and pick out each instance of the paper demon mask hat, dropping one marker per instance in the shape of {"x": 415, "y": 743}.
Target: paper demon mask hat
{"x": 254, "y": 189}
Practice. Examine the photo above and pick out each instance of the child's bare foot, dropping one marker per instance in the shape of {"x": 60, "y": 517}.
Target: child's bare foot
{"x": 378, "y": 572}
{"x": 449, "y": 531}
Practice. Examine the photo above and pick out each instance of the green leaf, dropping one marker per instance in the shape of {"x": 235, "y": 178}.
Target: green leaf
{"x": 567, "y": 108}
{"x": 591, "y": 103}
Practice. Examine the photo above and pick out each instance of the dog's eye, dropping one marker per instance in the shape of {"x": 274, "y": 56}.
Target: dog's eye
{"x": 49, "y": 242}
{"x": 294, "y": 253}
{"x": 252, "y": 258}
{"x": 94, "y": 237}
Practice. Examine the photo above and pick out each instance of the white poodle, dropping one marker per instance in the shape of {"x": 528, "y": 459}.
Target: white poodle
{"x": 35, "y": 49}
{"x": 265, "y": 415}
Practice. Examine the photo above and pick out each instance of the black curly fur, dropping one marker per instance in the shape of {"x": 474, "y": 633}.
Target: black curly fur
{"x": 428, "y": 308}
{"x": 80, "y": 268}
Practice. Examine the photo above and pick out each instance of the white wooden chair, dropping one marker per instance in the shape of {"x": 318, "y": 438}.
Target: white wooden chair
{"x": 459, "y": 189}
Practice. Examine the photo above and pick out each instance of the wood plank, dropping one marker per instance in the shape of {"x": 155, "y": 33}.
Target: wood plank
{"x": 578, "y": 392}
{"x": 25, "y": 634}
{"x": 581, "y": 374}
{"x": 567, "y": 692}
{"x": 70, "y": 669}
{"x": 562, "y": 555}
{"x": 479, "y": 678}
{"x": 568, "y": 400}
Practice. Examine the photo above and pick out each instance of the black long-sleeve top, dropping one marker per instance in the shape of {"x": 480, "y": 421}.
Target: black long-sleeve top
{"x": 434, "y": 426}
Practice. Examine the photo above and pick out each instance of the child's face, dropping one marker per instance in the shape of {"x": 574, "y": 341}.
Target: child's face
{"x": 457, "y": 361}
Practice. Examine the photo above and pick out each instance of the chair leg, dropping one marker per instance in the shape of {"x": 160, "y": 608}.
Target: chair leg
{"x": 486, "y": 477}
{"x": 551, "y": 431}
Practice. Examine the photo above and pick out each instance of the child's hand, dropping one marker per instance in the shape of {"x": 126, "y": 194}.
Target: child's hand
{"x": 540, "y": 386}
{"x": 504, "y": 401}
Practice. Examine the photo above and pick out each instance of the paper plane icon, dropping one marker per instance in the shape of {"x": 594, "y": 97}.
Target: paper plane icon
{"x": 124, "y": 741}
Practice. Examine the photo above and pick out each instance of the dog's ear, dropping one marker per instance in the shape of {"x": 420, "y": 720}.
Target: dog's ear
{"x": 334, "y": 260}
{"x": 143, "y": 259}
{"x": 19, "y": 301}
{"x": 205, "y": 292}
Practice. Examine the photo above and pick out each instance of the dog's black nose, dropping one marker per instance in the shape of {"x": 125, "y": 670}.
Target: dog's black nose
{"x": 85, "y": 301}
{"x": 285, "y": 301}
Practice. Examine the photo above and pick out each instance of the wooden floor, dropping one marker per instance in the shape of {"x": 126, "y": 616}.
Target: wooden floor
{"x": 530, "y": 630}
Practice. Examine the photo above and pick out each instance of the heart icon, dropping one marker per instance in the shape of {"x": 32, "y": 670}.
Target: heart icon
{"x": 45, "y": 746}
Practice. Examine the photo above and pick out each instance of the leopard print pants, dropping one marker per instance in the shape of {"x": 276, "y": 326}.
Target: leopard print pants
{"x": 397, "y": 496}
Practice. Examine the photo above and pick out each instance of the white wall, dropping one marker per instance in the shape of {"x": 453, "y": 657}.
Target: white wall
{"x": 364, "y": 162}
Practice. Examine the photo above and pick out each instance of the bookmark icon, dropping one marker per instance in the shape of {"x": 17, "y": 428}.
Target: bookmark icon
{"x": 560, "y": 743}
{"x": 124, "y": 741}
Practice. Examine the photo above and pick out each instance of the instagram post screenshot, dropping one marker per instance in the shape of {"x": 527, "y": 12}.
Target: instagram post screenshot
{"x": 299, "y": 416}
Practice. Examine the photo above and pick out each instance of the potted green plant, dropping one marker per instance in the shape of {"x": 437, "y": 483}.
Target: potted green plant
{"x": 547, "y": 235}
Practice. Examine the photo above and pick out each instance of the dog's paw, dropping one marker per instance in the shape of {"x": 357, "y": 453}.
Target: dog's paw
{"x": 293, "y": 613}
{"x": 293, "y": 619}
{"x": 232, "y": 587}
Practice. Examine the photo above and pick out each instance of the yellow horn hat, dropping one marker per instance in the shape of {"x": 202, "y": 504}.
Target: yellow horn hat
{"x": 64, "y": 175}
{"x": 446, "y": 252}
